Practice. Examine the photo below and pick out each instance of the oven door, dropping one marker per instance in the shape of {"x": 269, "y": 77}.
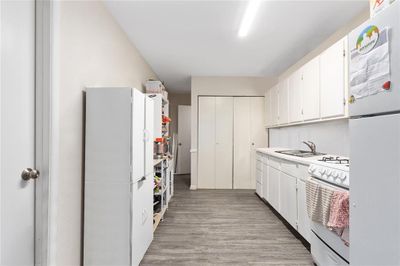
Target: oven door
{"x": 326, "y": 243}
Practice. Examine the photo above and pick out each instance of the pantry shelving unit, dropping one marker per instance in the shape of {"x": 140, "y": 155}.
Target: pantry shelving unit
{"x": 163, "y": 174}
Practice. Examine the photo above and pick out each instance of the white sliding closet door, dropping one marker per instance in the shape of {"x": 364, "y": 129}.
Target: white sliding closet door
{"x": 242, "y": 143}
{"x": 206, "y": 145}
{"x": 258, "y": 134}
{"x": 249, "y": 134}
{"x": 224, "y": 142}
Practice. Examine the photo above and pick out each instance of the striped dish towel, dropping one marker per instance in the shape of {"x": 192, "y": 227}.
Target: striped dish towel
{"x": 318, "y": 202}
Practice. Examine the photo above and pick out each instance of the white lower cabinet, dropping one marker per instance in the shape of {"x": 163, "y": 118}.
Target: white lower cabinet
{"x": 273, "y": 187}
{"x": 303, "y": 222}
{"x": 265, "y": 179}
{"x": 283, "y": 186}
{"x": 288, "y": 199}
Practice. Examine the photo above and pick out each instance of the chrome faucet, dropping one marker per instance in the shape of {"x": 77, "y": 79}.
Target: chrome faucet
{"x": 312, "y": 146}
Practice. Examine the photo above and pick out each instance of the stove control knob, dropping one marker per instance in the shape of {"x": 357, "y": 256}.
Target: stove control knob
{"x": 335, "y": 175}
{"x": 342, "y": 176}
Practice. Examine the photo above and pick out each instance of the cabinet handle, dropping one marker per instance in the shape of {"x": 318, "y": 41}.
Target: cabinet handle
{"x": 142, "y": 179}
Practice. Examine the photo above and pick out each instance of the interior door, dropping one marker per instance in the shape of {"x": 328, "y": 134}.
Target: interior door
{"x": 206, "y": 145}
{"x": 242, "y": 144}
{"x": 224, "y": 142}
{"x": 17, "y": 132}
{"x": 183, "y": 163}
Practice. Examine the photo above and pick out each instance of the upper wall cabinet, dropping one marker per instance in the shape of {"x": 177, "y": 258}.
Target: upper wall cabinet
{"x": 310, "y": 93}
{"x": 295, "y": 96}
{"x": 283, "y": 95}
{"x": 315, "y": 92}
{"x": 333, "y": 80}
{"x": 267, "y": 99}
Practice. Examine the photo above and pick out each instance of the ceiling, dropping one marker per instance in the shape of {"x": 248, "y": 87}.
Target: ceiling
{"x": 180, "y": 39}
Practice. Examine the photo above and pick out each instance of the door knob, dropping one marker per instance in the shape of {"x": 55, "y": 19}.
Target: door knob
{"x": 29, "y": 173}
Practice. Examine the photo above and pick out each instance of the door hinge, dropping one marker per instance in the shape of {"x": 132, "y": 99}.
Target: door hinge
{"x": 344, "y": 101}
{"x": 344, "y": 53}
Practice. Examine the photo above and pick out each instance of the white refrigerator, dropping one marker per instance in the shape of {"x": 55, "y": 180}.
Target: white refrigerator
{"x": 118, "y": 179}
{"x": 374, "y": 89}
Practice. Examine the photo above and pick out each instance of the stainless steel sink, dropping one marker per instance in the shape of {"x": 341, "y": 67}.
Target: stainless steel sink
{"x": 300, "y": 153}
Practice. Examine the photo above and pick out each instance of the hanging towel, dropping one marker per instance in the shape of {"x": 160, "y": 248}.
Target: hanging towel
{"x": 339, "y": 211}
{"x": 318, "y": 202}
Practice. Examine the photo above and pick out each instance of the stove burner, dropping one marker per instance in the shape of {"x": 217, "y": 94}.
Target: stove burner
{"x": 336, "y": 160}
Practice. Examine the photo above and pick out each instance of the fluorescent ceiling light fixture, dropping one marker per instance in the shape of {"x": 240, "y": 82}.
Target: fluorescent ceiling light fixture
{"x": 249, "y": 15}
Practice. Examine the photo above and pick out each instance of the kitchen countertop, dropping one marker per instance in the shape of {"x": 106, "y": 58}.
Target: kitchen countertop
{"x": 306, "y": 161}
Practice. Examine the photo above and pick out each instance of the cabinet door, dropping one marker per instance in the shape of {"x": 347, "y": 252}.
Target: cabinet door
{"x": 206, "y": 138}
{"x": 311, "y": 85}
{"x": 138, "y": 127}
{"x": 333, "y": 81}
{"x": 149, "y": 139}
{"x": 142, "y": 218}
{"x": 303, "y": 220}
{"x": 257, "y": 131}
{"x": 267, "y": 103}
{"x": 274, "y": 106}
{"x": 288, "y": 198}
{"x": 295, "y": 91}
{"x": 265, "y": 181}
{"x": 242, "y": 144}
{"x": 223, "y": 142}
{"x": 273, "y": 187}
{"x": 283, "y": 95}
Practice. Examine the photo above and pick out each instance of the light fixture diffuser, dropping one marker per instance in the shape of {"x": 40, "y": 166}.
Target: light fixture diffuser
{"x": 248, "y": 18}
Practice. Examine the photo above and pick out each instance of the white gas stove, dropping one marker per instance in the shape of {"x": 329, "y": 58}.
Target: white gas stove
{"x": 333, "y": 170}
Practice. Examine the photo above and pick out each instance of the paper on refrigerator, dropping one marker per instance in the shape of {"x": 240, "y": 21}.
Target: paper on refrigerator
{"x": 370, "y": 63}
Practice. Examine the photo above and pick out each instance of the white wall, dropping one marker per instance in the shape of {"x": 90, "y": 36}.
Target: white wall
{"x": 93, "y": 51}
{"x": 330, "y": 137}
{"x": 221, "y": 86}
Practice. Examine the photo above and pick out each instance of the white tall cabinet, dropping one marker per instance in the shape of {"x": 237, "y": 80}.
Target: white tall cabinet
{"x": 118, "y": 190}
{"x": 229, "y": 130}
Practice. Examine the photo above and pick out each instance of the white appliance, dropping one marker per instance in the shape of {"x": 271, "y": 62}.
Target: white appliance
{"x": 375, "y": 158}
{"x": 118, "y": 193}
{"x": 328, "y": 248}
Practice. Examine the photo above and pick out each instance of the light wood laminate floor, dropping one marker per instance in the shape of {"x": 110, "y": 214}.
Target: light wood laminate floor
{"x": 222, "y": 227}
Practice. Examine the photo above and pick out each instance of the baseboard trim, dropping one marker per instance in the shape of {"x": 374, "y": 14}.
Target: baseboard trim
{"x": 193, "y": 187}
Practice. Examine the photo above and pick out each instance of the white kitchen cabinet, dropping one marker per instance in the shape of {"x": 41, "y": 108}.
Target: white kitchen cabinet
{"x": 303, "y": 221}
{"x": 310, "y": 89}
{"x": 273, "y": 187}
{"x": 274, "y": 105}
{"x": 283, "y": 106}
{"x": 333, "y": 80}
{"x": 265, "y": 178}
{"x": 288, "y": 198}
{"x": 295, "y": 97}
